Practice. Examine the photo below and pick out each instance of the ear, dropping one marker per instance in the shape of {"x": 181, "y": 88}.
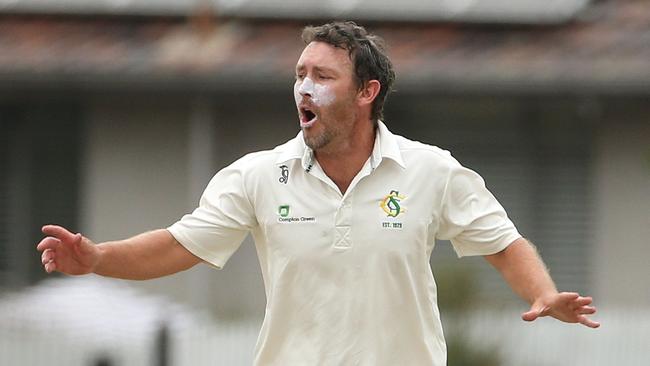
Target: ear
{"x": 368, "y": 92}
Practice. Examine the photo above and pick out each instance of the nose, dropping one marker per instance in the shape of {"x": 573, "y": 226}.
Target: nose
{"x": 304, "y": 93}
{"x": 306, "y": 88}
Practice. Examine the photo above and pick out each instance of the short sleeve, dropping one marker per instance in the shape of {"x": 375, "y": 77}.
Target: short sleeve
{"x": 216, "y": 229}
{"x": 472, "y": 218}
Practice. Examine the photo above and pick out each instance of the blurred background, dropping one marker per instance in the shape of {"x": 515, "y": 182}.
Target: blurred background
{"x": 114, "y": 115}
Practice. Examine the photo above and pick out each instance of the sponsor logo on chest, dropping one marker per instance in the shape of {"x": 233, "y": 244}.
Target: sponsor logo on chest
{"x": 284, "y": 216}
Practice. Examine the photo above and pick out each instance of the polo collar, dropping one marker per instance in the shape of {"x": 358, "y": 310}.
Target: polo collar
{"x": 292, "y": 149}
{"x": 385, "y": 146}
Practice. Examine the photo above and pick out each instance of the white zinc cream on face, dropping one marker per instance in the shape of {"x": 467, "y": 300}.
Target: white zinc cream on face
{"x": 321, "y": 95}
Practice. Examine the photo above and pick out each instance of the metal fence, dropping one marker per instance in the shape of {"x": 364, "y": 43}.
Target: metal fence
{"x": 98, "y": 322}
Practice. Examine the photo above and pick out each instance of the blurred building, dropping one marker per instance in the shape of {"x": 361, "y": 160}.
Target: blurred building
{"x": 114, "y": 116}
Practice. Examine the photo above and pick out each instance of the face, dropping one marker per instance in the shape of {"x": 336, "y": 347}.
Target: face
{"x": 325, "y": 93}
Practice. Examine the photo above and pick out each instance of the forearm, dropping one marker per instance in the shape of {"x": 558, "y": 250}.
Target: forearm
{"x": 149, "y": 255}
{"x": 523, "y": 269}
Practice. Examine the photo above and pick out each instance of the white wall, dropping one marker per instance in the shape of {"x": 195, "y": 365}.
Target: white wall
{"x": 622, "y": 236}
{"x": 136, "y": 175}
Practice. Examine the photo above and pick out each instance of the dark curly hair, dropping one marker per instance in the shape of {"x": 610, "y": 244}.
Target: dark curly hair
{"x": 367, "y": 53}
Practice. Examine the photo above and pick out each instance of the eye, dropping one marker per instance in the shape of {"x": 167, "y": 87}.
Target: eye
{"x": 300, "y": 76}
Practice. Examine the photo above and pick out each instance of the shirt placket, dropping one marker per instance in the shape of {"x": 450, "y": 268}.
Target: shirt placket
{"x": 343, "y": 224}
{"x": 344, "y": 213}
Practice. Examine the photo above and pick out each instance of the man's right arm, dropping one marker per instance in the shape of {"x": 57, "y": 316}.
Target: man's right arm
{"x": 149, "y": 255}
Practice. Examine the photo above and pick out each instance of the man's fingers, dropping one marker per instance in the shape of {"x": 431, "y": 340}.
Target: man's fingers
{"x": 60, "y": 233}
{"x": 535, "y": 312}
{"x": 50, "y": 267}
{"x": 566, "y": 306}
{"x": 586, "y": 310}
{"x": 531, "y": 315}
{"x": 569, "y": 296}
{"x": 588, "y": 322}
{"x": 48, "y": 243}
{"x": 47, "y": 256}
{"x": 580, "y": 302}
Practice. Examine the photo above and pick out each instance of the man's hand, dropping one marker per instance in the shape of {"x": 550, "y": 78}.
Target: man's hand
{"x": 527, "y": 275}
{"x": 568, "y": 307}
{"x": 66, "y": 252}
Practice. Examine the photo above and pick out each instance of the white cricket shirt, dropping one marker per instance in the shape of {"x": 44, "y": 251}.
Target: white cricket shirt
{"x": 347, "y": 276}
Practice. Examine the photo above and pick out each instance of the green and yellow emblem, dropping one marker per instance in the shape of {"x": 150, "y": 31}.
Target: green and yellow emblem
{"x": 391, "y": 204}
{"x": 283, "y": 210}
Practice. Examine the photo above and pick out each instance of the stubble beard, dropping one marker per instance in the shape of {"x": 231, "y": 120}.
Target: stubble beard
{"x": 324, "y": 140}
{"x": 319, "y": 141}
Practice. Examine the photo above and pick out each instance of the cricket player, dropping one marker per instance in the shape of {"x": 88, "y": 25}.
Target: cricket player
{"x": 345, "y": 218}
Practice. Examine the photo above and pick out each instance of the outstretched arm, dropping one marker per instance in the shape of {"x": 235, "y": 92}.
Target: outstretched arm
{"x": 527, "y": 275}
{"x": 145, "y": 256}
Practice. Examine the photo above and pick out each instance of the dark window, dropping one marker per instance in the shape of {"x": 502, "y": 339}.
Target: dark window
{"x": 40, "y": 181}
{"x": 4, "y": 194}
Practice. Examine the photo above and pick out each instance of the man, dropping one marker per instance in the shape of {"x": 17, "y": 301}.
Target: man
{"x": 344, "y": 219}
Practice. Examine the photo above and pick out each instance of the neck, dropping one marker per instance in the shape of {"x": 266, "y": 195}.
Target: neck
{"x": 343, "y": 162}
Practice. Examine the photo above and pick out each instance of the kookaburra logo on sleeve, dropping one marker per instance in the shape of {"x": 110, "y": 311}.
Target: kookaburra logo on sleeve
{"x": 284, "y": 178}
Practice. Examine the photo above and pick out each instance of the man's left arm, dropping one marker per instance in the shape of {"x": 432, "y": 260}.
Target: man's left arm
{"x": 525, "y": 272}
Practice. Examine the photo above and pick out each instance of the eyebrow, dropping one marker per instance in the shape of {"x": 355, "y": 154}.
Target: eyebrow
{"x": 317, "y": 68}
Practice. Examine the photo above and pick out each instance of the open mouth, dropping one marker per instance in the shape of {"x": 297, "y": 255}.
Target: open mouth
{"x": 307, "y": 117}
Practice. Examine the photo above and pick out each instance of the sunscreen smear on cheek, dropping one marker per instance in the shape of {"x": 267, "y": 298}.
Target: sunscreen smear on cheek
{"x": 324, "y": 95}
